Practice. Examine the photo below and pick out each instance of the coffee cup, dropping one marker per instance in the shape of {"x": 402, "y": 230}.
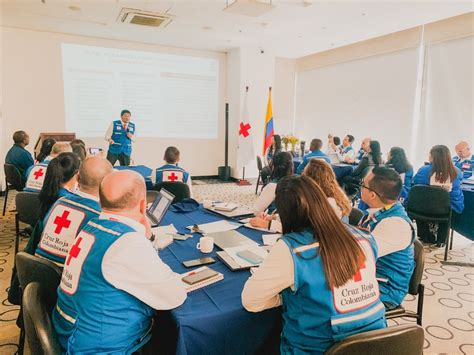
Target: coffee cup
{"x": 206, "y": 244}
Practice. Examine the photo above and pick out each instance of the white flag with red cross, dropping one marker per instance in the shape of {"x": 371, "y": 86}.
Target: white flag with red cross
{"x": 245, "y": 152}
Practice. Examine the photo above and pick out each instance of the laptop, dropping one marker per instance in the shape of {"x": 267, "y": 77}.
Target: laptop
{"x": 159, "y": 207}
{"x": 231, "y": 239}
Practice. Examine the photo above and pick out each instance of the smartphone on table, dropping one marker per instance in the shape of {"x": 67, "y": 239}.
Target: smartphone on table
{"x": 198, "y": 262}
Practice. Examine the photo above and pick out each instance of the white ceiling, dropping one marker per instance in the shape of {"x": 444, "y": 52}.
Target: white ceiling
{"x": 292, "y": 29}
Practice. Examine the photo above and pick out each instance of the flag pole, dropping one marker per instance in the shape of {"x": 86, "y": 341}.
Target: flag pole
{"x": 243, "y": 182}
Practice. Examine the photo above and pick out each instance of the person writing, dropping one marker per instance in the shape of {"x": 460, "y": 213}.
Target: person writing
{"x": 311, "y": 269}
{"x": 120, "y": 135}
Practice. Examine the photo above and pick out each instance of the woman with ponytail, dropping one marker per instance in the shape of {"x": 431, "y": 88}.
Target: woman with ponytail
{"x": 321, "y": 270}
{"x": 60, "y": 180}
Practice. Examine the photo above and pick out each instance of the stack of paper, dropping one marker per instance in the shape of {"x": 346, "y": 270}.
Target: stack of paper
{"x": 216, "y": 227}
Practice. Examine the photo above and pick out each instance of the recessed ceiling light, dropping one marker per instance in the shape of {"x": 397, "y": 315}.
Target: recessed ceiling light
{"x": 363, "y": 14}
{"x": 74, "y": 8}
{"x": 323, "y": 28}
{"x": 300, "y": 36}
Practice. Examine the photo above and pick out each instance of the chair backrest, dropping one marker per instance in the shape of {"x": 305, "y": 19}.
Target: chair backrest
{"x": 179, "y": 189}
{"x": 151, "y": 196}
{"x": 419, "y": 267}
{"x": 27, "y": 207}
{"x": 40, "y": 334}
{"x": 398, "y": 340}
{"x": 13, "y": 177}
{"x": 259, "y": 163}
{"x": 355, "y": 216}
{"x": 428, "y": 201}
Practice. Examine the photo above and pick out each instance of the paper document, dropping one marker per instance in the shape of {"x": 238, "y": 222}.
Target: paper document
{"x": 203, "y": 283}
{"x": 218, "y": 226}
{"x": 242, "y": 262}
{"x": 161, "y": 231}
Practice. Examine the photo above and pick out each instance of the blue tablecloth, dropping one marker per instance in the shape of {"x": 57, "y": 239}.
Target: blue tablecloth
{"x": 341, "y": 170}
{"x": 464, "y": 223}
{"x": 143, "y": 170}
{"x": 212, "y": 320}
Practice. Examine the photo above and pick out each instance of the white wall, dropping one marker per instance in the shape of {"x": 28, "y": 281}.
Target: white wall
{"x": 284, "y": 95}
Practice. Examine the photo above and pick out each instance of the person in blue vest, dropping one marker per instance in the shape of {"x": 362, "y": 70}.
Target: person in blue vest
{"x": 171, "y": 171}
{"x": 71, "y": 213}
{"x": 398, "y": 161}
{"x": 363, "y": 151}
{"x": 18, "y": 155}
{"x": 440, "y": 172}
{"x": 36, "y": 173}
{"x": 120, "y": 136}
{"x": 113, "y": 278}
{"x": 345, "y": 153}
{"x": 464, "y": 160}
{"x": 393, "y": 231}
{"x": 315, "y": 152}
{"x": 322, "y": 271}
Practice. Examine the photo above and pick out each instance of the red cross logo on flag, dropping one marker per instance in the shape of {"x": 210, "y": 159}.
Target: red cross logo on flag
{"x": 244, "y": 129}
{"x": 62, "y": 222}
{"x": 38, "y": 173}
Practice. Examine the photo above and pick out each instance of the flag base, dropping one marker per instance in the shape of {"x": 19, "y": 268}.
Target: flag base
{"x": 243, "y": 182}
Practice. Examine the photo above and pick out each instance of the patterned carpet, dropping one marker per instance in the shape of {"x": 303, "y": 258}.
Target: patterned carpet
{"x": 449, "y": 290}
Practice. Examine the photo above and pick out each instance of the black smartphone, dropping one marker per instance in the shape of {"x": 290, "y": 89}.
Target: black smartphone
{"x": 197, "y": 262}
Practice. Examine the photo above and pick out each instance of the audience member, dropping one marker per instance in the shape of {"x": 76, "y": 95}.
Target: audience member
{"x": 80, "y": 150}
{"x": 393, "y": 231}
{"x": 45, "y": 150}
{"x": 346, "y": 153}
{"x": 440, "y": 172}
{"x": 171, "y": 171}
{"x": 272, "y": 150}
{"x": 464, "y": 160}
{"x": 311, "y": 269}
{"x": 71, "y": 213}
{"x": 363, "y": 151}
{"x": 315, "y": 152}
{"x": 18, "y": 156}
{"x": 333, "y": 143}
{"x": 398, "y": 161}
{"x": 112, "y": 269}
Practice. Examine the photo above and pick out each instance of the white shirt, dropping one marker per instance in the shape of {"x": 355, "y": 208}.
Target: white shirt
{"x": 86, "y": 195}
{"x": 132, "y": 264}
{"x": 349, "y": 155}
{"x": 265, "y": 199}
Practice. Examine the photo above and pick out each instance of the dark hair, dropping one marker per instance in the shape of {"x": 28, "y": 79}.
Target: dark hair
{"x": 45, "y": 149}
{"x": 443, "y": 167}
{"x": 282, "y": 165}
{"x": 302, "y": 204}
{"x": 123, "y": 112}
{"x": 316, "y": 144}
{"x": 386, "y": 183}
{"x": 60, "y": 170}
{"x": 336, "y": 140}
{"x": 79, "y": 149}
{"x": 351, "y": 138}
{"x": 19, "y": 137}
{"x": 171, "y": 155}
{"x": 376, "y": 152}
{"x": 77, "y": 141}
{"x": 398, "y": 160}
{"x": 277, "y": 140}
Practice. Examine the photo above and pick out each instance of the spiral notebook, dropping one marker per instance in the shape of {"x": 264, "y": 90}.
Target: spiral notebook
{"x": 203, "y": 283}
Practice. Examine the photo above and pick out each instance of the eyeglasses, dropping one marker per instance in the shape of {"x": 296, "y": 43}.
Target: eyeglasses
{"x": 361, "y": 184}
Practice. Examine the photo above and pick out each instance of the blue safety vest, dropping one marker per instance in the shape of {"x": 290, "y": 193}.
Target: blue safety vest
{"x": 316, "y": 154}
{"x": 394, "y": 270}
{"x": 465, "y": 165}
{"x": 172, "y": 173}
{"x": 123, "y": 144}
{"x": 314, "y": 316}
{"x": 35, "y": 177}
{"x": 63, "y": 223}
{"x": 91, "y": 315}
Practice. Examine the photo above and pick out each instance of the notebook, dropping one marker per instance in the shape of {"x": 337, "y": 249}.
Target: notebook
{"x": 204, "y": 283}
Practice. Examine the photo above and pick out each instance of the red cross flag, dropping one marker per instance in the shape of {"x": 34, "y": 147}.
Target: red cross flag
{"x": 245, "y": 153}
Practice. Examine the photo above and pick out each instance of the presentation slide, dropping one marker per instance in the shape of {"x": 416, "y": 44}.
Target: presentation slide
{"x": 170, "y": 96}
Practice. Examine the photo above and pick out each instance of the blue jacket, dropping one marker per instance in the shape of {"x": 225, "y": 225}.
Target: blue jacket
{"x": 314, "y": 316}
{"x": 307, "y": 158}
{"x": 407, "y": 183}
{"x": 466, "y": 165}
{"x": 122, "y": 144}
{"x": 394, "y": 270}
{"x": 171, "y": 172}
{"x": 423, "y": 176}
{"x": 20, "y": 158}
{"x": 91, "y": 315}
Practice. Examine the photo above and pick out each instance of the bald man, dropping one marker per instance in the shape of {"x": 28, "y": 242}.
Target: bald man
{"x": 71, "y": 213}
{"x": 36, "y": 173}
{"x": 464, "y": 160}
{"x": 113, "y": 278}
{"x": 364, "y": 149}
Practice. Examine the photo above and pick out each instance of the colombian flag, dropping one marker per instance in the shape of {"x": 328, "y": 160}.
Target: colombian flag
{"x": 268, "y": 131}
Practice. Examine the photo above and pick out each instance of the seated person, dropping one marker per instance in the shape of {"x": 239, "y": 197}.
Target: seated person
{"x": 372, "y": 158}
{"x": 37, "y": 172}
{"x": 364, "y": 149}
{"x": 273, "y": 149}
{"x": 171, "y": 171}
{"x": 398, "y": 161}
{"x": 45, "y": 150}
{"x": 333, "y": 144}
{"x": 310, "y": 269}
{"x": 112, "y": 260}
{"x": 79, "y": 147}
{"x": 18, "y": 155}
{"x": 393, "y": 231}
{"x": 315, "y": 152}
{"x": 464, "y": 160}
{"x": 282, "y": 166}
{"x": 70, "y": 214}
{"x": 345, "y": 152}
{"x": 440, "y": 172}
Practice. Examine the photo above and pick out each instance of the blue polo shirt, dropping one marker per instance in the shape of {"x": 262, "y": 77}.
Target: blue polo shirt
{"x": 315, "y": 154}
{"x": 20, "y": 158}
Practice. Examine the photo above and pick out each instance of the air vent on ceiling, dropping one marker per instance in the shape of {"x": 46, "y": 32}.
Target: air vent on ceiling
{"x": 145, "y": 18}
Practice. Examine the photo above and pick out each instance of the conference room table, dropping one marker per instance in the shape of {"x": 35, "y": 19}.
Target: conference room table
{"x": 212, "y": 320}
{"x": 143, "y": 170}
{"x": 340, "y": 170}
{"x": 463, "y": 223}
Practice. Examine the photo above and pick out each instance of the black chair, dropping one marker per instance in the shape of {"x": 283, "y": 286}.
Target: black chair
{"x": 260, "y": 178}
{"x": 352, "y": 184}
{"x": 40, "y": 333}
{"x": 30, "y": 269}
{"x": 179, "y": 189}
{"x": 151, "y": 196}
{"x": 415, "y": 288}
{"x": 12, "y": 182}
{"x": 398, "y": 340}
{"x": 27, "y": 211}
{"x": 430, "y": 204}
{"x": 355, "y": 216}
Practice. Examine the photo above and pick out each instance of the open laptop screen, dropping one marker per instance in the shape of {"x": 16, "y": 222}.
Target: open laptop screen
{"x": 159, "y": 207}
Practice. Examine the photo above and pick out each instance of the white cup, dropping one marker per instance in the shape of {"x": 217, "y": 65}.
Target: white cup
{"x": 206, "y": 244}
{"x": 207, "y": 203}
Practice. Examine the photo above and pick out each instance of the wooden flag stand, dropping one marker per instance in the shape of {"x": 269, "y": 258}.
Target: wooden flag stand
{"x": 243, "y": 182}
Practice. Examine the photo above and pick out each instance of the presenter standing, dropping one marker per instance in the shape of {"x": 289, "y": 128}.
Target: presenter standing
{"x": 120, "y": 136}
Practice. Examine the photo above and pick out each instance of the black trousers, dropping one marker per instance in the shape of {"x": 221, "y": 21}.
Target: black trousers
{"x": 123, "y": 159}
{"x": 426, "y": 235}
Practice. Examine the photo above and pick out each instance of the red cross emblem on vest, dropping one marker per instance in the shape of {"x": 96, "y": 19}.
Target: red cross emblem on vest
{"x": 244, "y": 129}
{"x": 39, "y": 173}
{"x": 62, "y": 222}
{"x": 75, "y": 250}
{"x": 172, "y": 177}
{"x": 358, "y": 276}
